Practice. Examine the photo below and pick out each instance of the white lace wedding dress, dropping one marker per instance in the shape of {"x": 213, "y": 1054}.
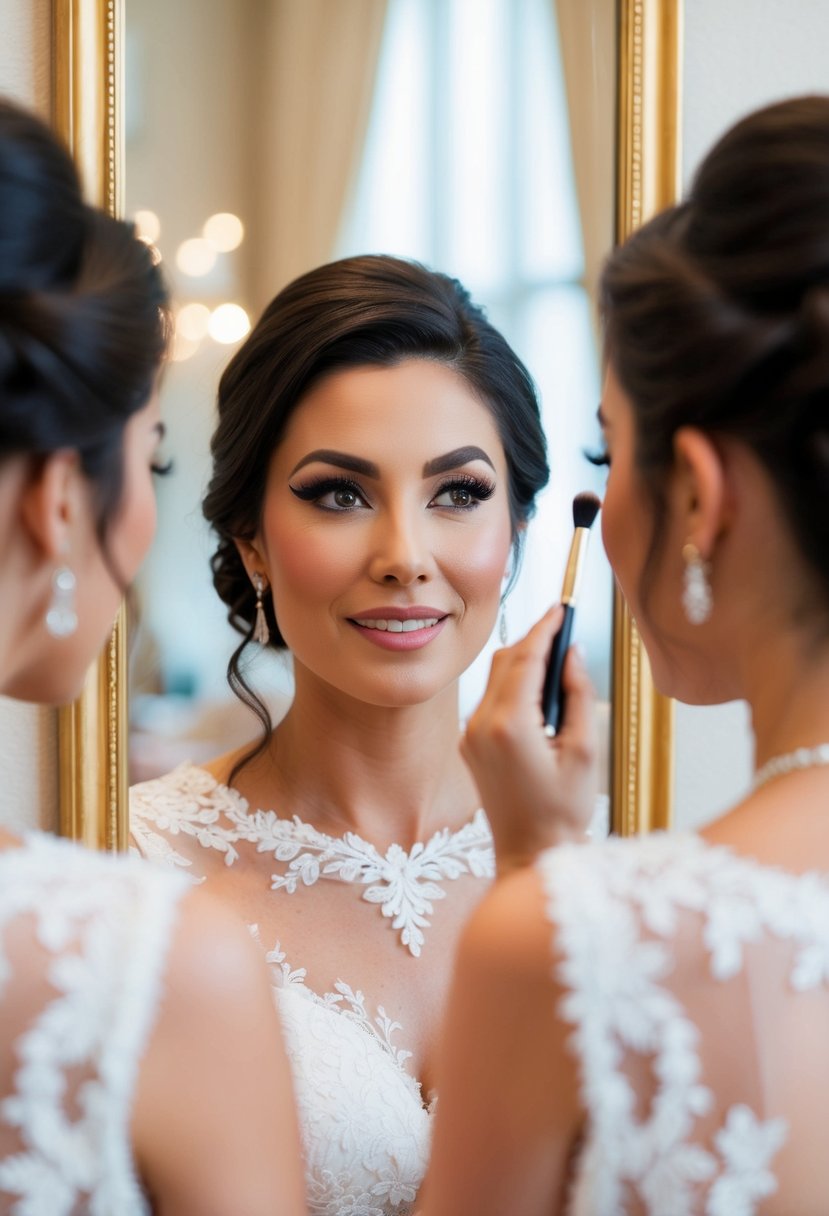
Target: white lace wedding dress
{"x": 83, "y": 941}
{"x": 697, "y": 984}
{"x": 364, "y": 1120}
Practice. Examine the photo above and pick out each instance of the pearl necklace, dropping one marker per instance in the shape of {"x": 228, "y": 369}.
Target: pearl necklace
{"x": 801, "y": 757}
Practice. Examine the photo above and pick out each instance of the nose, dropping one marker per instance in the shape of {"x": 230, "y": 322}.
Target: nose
{"x": 400, "y": 552}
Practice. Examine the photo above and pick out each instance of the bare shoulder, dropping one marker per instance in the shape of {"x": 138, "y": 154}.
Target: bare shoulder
{"x": 214, "y": 1124}
{"x": 220, "y": 767}
{"x": 781, "y": 826}
{"x": 257, "y": 767}
{"x": 509, "y": 933}
{"x": 212, "y": 955}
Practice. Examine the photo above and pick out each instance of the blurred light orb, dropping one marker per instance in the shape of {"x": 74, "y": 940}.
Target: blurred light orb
{"x": 224, "y": 231}
{"x": 147, "y": 226}
{"x": 228, "y": 323}
{"x": 182, "y": 347}
{"x": 192, "y": 321}
{"x": 195, "y": 257}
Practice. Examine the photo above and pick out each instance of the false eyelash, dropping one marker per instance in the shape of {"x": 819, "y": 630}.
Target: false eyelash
{"x": 480, "y": 489}
{"x": 161, "y": 470}
{"x": 599, "y": 459}
{"x": 324, "y": 485}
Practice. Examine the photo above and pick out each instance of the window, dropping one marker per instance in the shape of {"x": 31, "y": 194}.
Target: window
{"x": 467, "y": 167}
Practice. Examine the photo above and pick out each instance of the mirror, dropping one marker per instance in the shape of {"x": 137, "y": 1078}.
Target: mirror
{"x": 229, "y": 172}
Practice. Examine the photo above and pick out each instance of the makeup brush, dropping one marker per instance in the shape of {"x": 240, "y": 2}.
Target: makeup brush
{"x": 585, "y": 509}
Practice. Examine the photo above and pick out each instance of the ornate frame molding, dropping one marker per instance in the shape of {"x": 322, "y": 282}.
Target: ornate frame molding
{"x": 648, "y": 179}
{"x": 88, "y": 81}
{"x": 88, "y": 75}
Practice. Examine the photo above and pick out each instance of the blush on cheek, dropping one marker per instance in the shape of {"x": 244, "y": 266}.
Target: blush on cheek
{"x": 480, "y": 565}
{"x": 309, "y": 561}
{"x": 132, "y": 533}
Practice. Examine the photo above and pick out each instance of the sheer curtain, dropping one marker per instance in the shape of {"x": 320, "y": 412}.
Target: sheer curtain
{"x": 321, "y": 61}
{"x": 470, "y": 166}
{"x": 587, "y": 37}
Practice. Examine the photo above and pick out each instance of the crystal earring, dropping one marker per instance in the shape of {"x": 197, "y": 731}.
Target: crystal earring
{"x": 502, "y": 626}
{"x": 261, "y": 633}
{"x": 697, "y": 599}
{"x": 61, "y": 615}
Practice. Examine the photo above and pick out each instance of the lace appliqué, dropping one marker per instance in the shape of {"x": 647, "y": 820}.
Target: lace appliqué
{"x": 347, "y": 1001}
{"x": 365, "y": 1127}
{"x": 405, "y": 885}
{"x": 105, "y": 927}
{"x": 617, "y": 1003}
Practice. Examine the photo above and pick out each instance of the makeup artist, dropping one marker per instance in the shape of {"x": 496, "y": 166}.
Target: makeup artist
{"x": 376, "y": 461}
{"x": 641, "y": 1025}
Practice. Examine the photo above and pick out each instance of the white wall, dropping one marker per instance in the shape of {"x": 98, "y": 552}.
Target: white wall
{"x": 739, "y": 54}
{"x": 28, "y": 739}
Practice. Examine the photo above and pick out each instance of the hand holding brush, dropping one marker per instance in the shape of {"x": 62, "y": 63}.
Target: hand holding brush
{"x": 585, "y": 509}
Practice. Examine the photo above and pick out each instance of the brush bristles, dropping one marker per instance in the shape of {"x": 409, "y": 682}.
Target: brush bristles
{"x": 585, "y": 509}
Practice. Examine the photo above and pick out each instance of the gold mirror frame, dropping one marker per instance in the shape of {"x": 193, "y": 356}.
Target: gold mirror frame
{"x": 88, "y": 88}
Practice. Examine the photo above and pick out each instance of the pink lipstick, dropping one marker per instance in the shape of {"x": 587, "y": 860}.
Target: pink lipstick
{"x": 399, "y": 629}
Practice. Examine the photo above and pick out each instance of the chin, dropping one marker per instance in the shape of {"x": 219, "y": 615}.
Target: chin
{"x": 692, "y": 683}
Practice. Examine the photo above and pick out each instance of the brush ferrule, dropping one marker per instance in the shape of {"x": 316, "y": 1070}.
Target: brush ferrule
{"x": 575, "y": 566}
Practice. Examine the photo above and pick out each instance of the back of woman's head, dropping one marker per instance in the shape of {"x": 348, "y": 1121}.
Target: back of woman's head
{"x": 82, "y": 313}
{"x": 362, "y": 311}
{"x": 717, "y": 314}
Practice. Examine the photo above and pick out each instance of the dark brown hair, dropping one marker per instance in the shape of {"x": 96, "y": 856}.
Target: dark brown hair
{"x": 361, "y": 311}
{"x": 717, "y": 316}
{"x": 82, "y": 313}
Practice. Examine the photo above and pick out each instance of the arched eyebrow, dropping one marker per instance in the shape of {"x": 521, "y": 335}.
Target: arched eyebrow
{"x": 354, "y": 464}
{"x": 367, "y": 468}
{"x": 454, "y": 460}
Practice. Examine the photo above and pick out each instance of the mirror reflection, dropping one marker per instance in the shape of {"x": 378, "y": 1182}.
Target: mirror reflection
{"x": 440, "y": 131}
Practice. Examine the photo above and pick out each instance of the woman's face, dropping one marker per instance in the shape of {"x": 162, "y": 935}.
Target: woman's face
{"x": 680, "y": 666}
{"x": 56, "y": 674}
{"x": 386, "y": 531}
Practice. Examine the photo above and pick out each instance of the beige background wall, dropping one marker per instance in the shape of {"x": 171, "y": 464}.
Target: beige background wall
{"x": 737, "y": 55}
{"x": 28, "y": 751}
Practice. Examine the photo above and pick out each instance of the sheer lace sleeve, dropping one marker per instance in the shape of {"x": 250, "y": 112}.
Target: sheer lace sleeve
{"x": 83, "y": 941}
{"x": 682, "y": 964}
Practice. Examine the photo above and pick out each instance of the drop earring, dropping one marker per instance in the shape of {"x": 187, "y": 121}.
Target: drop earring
{"x": 697, "y": 599}
{"x": 261, "y": 633}
{"x": 502, "y": 626}
{"x": 62, "y": 615}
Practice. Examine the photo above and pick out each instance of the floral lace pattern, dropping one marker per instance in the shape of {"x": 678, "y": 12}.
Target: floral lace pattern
{"x": 101, "y": 927}
{"x": 404, "y": 884}
{"x": 617, "y": 908}
{"x": 365, "y": 1125}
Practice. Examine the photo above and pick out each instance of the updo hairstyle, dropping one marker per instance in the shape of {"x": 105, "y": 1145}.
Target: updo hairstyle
{"x": 717, "y": 317}
{"x": 82, "y": 314}
{"x": 371, "y": 311}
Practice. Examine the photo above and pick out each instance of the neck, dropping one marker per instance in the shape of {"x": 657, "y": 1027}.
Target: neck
{"x": 788, "y": 694}
{"x": 392, "y": 775}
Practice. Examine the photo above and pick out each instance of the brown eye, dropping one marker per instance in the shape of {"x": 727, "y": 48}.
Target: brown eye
{"x": 463, "y": 494}
{"x": 332, "y": 494}
{"x": 345, "y": 498}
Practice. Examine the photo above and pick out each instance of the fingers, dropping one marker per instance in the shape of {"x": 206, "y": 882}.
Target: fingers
{"x": 578, "y": 730}
{"x": 537, "y": 792}
{"x": 513, "y": 670}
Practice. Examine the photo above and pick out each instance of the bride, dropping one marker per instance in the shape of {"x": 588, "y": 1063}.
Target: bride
{"x": 376, "y": 461}
{"x": 652, "y": 1013}
{"x": 134, "y": 1076}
